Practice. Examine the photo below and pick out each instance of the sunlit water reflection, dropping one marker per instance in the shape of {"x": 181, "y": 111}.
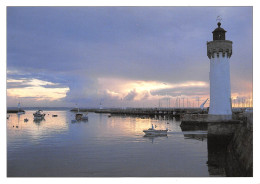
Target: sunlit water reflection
{"x": 102, "y": 146}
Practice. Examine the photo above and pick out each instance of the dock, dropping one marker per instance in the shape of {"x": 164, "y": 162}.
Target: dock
{"x": 174, "y": 112}
{"x": 14, "y": 110}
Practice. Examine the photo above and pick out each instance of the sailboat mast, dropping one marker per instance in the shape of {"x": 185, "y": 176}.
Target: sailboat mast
{"x": 19, "y": 106}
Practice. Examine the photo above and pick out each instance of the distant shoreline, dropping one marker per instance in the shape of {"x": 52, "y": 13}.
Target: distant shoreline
{"x": 15, "y": 109}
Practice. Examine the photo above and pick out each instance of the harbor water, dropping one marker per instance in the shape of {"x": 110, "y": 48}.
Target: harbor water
{"x": 103, "y": 146}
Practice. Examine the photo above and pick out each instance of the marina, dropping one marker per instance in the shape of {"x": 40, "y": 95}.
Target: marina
{"x": 114, "y": 146}
{"x": 129, "y": 91}
{"x": 116, "y": 141}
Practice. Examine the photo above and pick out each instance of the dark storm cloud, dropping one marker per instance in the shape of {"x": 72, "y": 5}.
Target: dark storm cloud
{"x": 16, "y": 85}
{"x": 145, "y": 95}
{"x": 131, "y": 95}
{"x": 54, "y": 86}
{"x": 73, "y": 46}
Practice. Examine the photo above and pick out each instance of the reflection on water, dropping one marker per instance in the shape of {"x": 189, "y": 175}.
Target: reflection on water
{"x": 102, "y": 146}
{"x": 152, "y": 137}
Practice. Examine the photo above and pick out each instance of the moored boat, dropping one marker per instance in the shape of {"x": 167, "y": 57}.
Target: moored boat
{"x": 80, "y": 116}
{"x": 39, "y": 114}
{"x": 20, "y": 111}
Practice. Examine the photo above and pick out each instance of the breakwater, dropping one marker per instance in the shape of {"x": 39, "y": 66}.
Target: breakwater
{"x": 173, "y": 112}
{"x": 14, "y": 110}
{"x": 230, "y": 143}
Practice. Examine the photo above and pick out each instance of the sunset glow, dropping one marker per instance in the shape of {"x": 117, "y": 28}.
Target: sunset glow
{"x": 123, "y": 58}
{"x": 36, "y": 90}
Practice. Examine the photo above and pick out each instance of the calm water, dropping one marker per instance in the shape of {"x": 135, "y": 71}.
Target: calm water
{"x": 103, "y": 146}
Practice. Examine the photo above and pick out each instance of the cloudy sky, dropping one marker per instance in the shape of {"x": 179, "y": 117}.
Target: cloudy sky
{"x": 121, "y": 56}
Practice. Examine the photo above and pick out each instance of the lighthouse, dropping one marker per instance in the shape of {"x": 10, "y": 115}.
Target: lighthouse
{"x": 219, "y": 52}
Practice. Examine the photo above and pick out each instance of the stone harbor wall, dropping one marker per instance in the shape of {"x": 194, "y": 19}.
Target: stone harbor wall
{"x": 230, "y": 149}
{"x": 239, "y": 158}
{"x": 230, "y": 144}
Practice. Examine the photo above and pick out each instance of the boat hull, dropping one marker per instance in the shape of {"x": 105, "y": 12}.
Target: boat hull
{"x": 155, "y": 132}
{"x": 38, "y": 115}
{"x": 81, "y": 117}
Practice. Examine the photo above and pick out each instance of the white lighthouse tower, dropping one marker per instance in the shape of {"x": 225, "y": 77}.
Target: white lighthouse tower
{"x": 219, "y": 52}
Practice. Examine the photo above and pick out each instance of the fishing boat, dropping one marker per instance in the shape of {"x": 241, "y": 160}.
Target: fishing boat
{"x": 80, "y": 116}
{"x": 39, "y": 114}
{"x": 152, "y": 131}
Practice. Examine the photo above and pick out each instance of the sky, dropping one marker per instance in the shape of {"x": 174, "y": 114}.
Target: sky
{"x": 122, "y": 56}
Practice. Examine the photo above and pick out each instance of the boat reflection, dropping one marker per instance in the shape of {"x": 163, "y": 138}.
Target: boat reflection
{"x": 37, "y": 127}
{"x": 37, "y": 121}
{"x": 195, "y": 132}
{"x": 153, "y": 137}
{"x": 79, "y": 121}
{"x": 196, "y": 135}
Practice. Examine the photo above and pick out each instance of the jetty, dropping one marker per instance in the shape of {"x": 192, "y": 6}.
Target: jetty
{"x": 172, "y": 112}
{"x": 14, "y": 110}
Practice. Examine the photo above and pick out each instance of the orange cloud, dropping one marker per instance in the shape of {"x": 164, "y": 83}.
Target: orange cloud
{"x": 36, "y": 90}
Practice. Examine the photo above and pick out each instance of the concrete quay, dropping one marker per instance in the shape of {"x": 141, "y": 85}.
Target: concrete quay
{"x": 230, "y": 142}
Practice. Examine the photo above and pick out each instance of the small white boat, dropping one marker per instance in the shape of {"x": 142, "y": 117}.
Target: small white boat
{"x": 154, "y": 132}
{"x": 39, "y": 114}
{"x": 19, "y": 109}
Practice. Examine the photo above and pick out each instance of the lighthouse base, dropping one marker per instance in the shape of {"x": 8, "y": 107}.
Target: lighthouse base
{"x": 219, "y": 118}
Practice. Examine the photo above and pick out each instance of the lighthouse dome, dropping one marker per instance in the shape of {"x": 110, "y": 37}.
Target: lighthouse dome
{"x": 219, "y": 33}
